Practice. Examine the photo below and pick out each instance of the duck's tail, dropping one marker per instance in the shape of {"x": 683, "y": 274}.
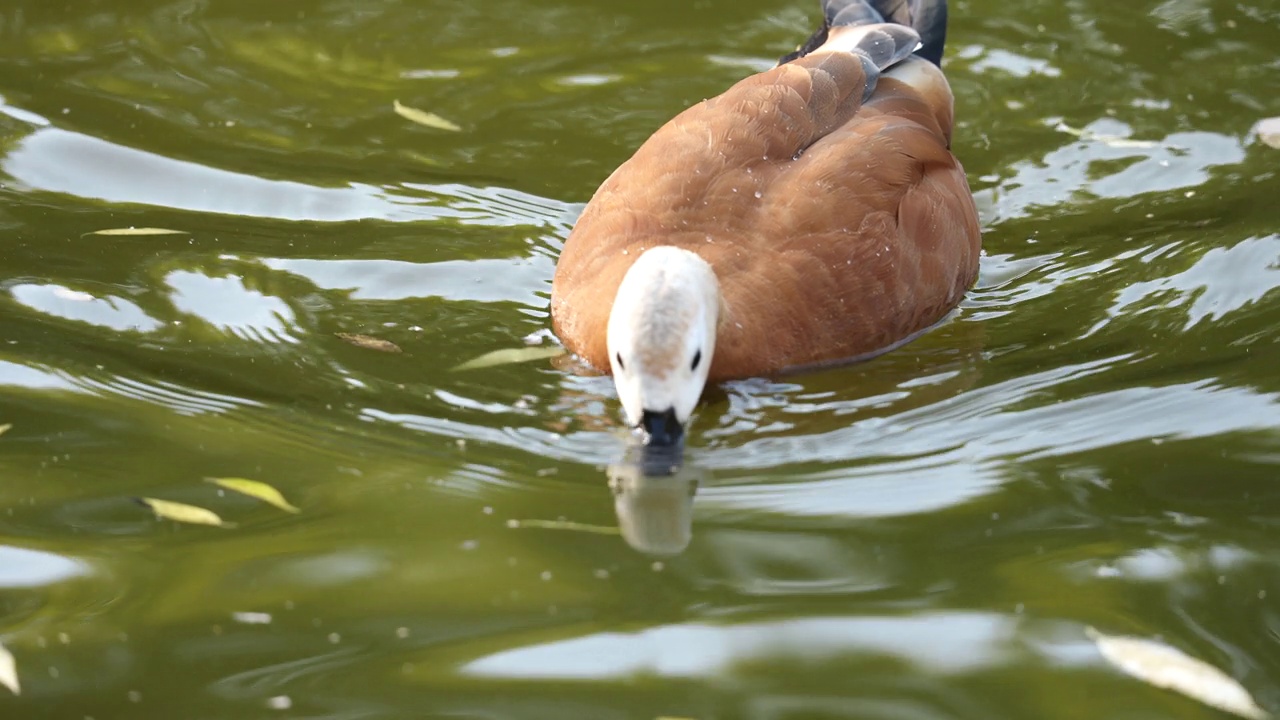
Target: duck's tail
{"x": 926, "y": 17}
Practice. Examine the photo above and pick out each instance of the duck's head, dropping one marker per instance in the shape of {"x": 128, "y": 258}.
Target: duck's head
{"x": 662, "y": 334}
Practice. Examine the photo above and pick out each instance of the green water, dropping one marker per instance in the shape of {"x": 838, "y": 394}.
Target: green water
{"x": 1093, "y": 441}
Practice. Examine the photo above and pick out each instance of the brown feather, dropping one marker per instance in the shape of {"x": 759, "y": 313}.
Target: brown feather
{"x": 836, "y": 227}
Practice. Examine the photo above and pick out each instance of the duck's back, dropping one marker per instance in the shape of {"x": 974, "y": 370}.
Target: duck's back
{"x": 837, "y": 226}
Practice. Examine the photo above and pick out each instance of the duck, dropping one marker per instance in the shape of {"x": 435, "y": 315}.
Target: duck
{"x": 810, "y": 215}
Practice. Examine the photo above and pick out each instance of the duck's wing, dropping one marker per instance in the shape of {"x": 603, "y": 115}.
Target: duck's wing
{"x": 678, "y": 178}
{"x": 868, "y": 237}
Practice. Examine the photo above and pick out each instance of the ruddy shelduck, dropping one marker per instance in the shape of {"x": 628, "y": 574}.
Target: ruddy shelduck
{"x": 811, "y": 214}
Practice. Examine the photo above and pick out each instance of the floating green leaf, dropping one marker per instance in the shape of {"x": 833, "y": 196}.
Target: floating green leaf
{"x": 370, "y": 343}
{"x": 422, "y": 117}
{"x": 510, "y": 356}
{"x": 255, "y": 489}
{"x": 183, "y": 513}
{"x": 9, "y": 671}
{"x": 138, "y": 231}
{"x": 1169, "y": 668}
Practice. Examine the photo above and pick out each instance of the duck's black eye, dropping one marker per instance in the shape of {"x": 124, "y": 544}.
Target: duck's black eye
{"x": 621, "y": 365}
{"x": 697, "y": 358}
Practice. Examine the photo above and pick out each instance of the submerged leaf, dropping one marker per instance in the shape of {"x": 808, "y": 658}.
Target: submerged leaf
{"x": 138, "y": 231}
{"x": 564, "y": 525}
{"x": 422, "y": 117}
{"x": 255, "y": 489}
{"x": 1169, "y": 668}
{"x": 510, "y": 356}
{"x": 184, "y": 513}
{"x": 5, "y": 428}
{"x": 9, "y": 671}
{"x": 1269, "y": 132}
{"x": 370, "y": 343}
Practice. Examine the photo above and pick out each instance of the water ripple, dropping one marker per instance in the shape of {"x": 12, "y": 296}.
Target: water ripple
{"x": 457, "y": 280}
{"x": 226, "y": 304}
{"x": 59, "y": 161}
{"x": 1222, "y": 281}
{"x": 180, "y": 399}
{"x": 108, "y": 311}
{"x": 942, "y": 643}
{"x": 1177, "y": 161}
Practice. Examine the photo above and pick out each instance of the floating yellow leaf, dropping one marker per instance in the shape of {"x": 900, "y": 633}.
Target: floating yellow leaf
{"x": 1169, "y": 668}
{"x": 255, "y": 489}
{"x": 370, "y": 343}
{"x": 1269, "y": 132}
{"x": 5, "y": 428}
{"x": 137, "y": 231}
{"x": 9, "y": 671}
{"x": 422, "y": 117}
{"x": 564, "y": 525}
{"x": 184, "y": 513}
{"x": 510, "y": 356}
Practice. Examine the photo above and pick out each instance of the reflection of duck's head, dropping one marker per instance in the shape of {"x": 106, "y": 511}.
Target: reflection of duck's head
{"x": 661, "y": 334}
{"x": 654, "y": 503}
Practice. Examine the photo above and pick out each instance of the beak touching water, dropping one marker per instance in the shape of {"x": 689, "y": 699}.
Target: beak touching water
{"x": 662, "y": 428}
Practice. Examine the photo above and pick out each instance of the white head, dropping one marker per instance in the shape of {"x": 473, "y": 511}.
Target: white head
{"x": 662, "y": 333}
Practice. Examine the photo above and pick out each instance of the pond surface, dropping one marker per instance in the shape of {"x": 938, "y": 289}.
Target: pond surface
{"x": 1094, "y": 440}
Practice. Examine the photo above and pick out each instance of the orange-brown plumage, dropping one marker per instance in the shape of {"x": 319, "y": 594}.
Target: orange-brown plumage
{"x": 835, "y": 227}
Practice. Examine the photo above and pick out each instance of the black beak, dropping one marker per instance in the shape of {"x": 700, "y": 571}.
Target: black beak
{"x": 662, "y": 428}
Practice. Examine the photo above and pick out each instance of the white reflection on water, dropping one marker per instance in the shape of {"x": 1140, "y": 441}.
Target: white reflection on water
{"x": 983, "y": 59}
{"x": 1177, "y": 161}
{"x": 180, "y": 399}
{"x": 65, "y": 162}
{"x": 1170, "y": 563}
{"x": 70, "y": 163}
{"x": 488, "y": 280}
{"x": 1223, "y": 280}
{"x": 20, "y": 567}
{"x": 947, "y": 642}
{"x": 881, "y": 489}
{"x": 225, "y": 303}
{"x": 922, "y": 459}
{"x": 111, "y": 312}
{"x": 584, "y": 446}
{"x": 963, "y": 456}
{"x": 22, "y": 376}
{"x": 977, "y": 425}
